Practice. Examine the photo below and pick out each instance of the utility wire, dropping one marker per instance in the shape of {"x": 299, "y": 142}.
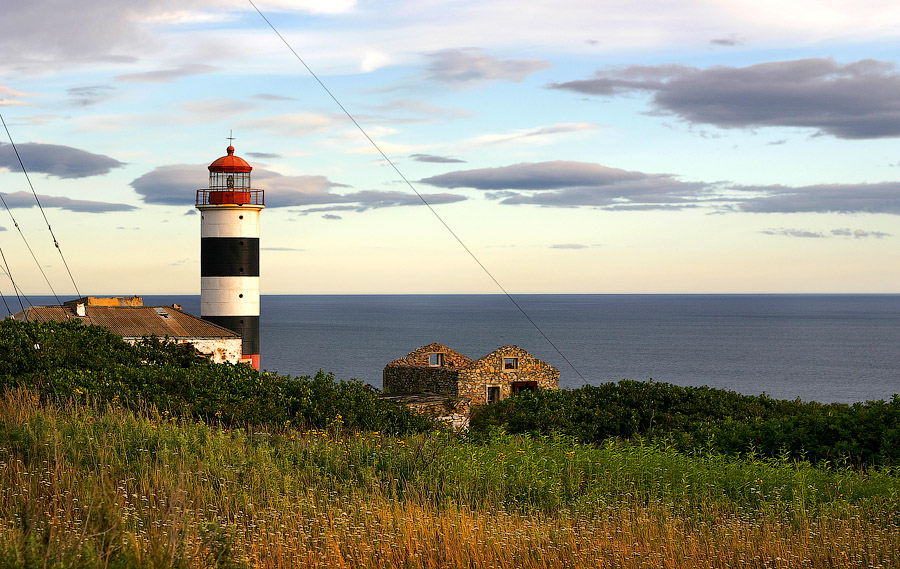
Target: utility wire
{"x": 30, "y": 250}
{"x": 38, "y": 201}
{"x": 16, "y": 289}
{"x": 408, "y": 183}
{"x": 3, "y": 296}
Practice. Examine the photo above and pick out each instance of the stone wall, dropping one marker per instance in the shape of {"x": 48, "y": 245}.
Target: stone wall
{"x": 453, "y": 411}
{"x": 414, "y": 373}
{"x": 418, "y": 379}
{"x": 489, "y": 371}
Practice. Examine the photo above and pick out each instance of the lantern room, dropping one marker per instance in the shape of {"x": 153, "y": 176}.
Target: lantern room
{"x": 229, "y": 183}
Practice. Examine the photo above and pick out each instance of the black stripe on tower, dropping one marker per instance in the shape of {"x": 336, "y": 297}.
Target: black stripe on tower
{"x": 229, "y": 257}
{"x": 246, "y": 326}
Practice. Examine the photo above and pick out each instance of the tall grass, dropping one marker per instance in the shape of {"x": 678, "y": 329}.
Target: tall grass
{"x": 101, "y": 486}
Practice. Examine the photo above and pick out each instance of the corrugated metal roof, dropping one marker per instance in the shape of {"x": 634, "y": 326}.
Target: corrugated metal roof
{"x": 133, "y": 321}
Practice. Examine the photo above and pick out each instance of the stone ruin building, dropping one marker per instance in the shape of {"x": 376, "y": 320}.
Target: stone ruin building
{"x": 437, "y": 369}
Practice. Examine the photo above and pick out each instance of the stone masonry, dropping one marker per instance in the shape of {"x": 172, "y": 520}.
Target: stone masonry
{"x": 510, "y": 369}
{"x": 435, "y": 368}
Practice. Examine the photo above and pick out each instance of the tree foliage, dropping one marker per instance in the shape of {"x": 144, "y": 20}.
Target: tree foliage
{"x": 66, "y": 359}
{"x": 706, "y": 419}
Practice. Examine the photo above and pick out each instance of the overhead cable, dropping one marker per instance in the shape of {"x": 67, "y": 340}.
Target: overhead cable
{"x": 38, "y": 201}
{"x": 16, "y": 289}
{"x": 415, "y": 191}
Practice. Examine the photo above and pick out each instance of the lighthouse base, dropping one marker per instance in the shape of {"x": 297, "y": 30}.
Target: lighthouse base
{"x": 248, "y": 328}
{"x": 252, "y": 359}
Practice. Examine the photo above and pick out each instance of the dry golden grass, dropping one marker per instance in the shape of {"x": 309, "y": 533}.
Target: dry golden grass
{"x": 90, "y": 487}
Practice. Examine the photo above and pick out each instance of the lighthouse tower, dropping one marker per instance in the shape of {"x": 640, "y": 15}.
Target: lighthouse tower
{"x": 229, "y": 251}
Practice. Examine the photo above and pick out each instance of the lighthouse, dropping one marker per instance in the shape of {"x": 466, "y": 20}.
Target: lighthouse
{"x": 229, "y": 251}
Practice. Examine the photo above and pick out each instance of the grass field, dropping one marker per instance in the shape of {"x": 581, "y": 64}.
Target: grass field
{"x": 88, "y": 485}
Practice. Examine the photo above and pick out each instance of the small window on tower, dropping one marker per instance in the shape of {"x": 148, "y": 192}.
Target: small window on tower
{"x": 436, "y": 360}
{"x": 510, "y": 364}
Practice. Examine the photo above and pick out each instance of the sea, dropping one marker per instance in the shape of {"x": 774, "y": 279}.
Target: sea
{"x": 815, "y": 347}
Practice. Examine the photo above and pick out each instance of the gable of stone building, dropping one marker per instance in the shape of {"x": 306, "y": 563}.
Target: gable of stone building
{"x": 421, "y": 357}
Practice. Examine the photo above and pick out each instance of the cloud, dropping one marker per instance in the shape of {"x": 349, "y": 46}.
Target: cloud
{"x": 729, "y": 41}
{"x": 8, "y": 96}
{"x": 824, "y": 198}
{"x": 296, "y": 124}
{"x": 215, "y": 109}
{"x": 313, "y": 6}
{"x": 263, "y": 155}
{"x": 41, "y": 35}
{"x": 26, "y": 200}
{"x": 372, "y": 199}
{"x": 177, "y": 184}
{"x": 569, "y": 184}
{"x": 573, "y": 184}
{"x": 855, "y": 233}
{"x": 793, "y": 233}
{"x": 272, "y": 97}
{"x": 535, "y": 176}
{"x": 168, "y": 75}
{"x": 425, "y": 110}
{"x": 331, "y": 216}
{"x": 468, "y": 66}
{"x": 569, "y": 246}
{"x": 853, "y": 101}
{"x": 540, "y": 135}
{"x": 859, "y": 233}
{"x": 56, "y": 160}
{"x": 90, "y": 95}
{"x": 435, "y": 159}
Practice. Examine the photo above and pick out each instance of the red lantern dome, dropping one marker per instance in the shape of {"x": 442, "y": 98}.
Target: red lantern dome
{"x": 230, "y": 163}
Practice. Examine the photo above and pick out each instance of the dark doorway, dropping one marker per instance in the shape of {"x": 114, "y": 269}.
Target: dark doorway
{"x": 493, "y": 394}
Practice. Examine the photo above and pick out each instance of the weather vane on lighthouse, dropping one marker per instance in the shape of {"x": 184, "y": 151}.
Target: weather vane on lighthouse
{"x": 229, "y": 250}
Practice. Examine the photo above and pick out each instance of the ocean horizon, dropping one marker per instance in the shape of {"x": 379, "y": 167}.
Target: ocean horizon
{"x": 815, "y": 347}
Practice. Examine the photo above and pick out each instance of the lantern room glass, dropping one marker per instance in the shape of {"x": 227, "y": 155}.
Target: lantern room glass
{"x": 229, "y": 180}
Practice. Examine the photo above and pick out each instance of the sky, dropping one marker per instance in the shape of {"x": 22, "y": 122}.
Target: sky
{"x": 573, "y": 146}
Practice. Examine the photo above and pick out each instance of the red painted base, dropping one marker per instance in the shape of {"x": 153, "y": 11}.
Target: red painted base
{"x": 252, "y": 359}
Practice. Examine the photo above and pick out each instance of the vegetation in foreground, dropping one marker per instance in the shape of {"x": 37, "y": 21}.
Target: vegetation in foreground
{"x": 87, "y": 485}
{"x": 61, "y": 360}
{"x": 147, "y": 456}
{"x": 702, "y": 419}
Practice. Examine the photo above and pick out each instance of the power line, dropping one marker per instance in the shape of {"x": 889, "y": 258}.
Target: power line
{"x": 38, "y": 201}
{"x": 16, "y": 289}
{"x": 30, "y": 250}
{"x": 408, "y": 183}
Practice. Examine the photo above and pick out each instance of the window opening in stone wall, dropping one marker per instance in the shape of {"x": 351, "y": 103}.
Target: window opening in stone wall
{"x": 436, "y": 359}
{"x": 519, "y": 386}
{"x": 510, "y": 364}
{"x": 493, "y": 394}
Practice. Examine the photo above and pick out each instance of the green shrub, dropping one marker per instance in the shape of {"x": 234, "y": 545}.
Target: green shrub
{"x": 701, "y": 419}
{"x": 65, "y": 360}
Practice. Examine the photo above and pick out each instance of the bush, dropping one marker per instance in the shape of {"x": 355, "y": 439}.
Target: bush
{"x": 65, "y": 360}
{"x": 703, "y": 419}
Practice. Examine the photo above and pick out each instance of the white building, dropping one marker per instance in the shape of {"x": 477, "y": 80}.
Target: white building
{"x": 129, "y": 318}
